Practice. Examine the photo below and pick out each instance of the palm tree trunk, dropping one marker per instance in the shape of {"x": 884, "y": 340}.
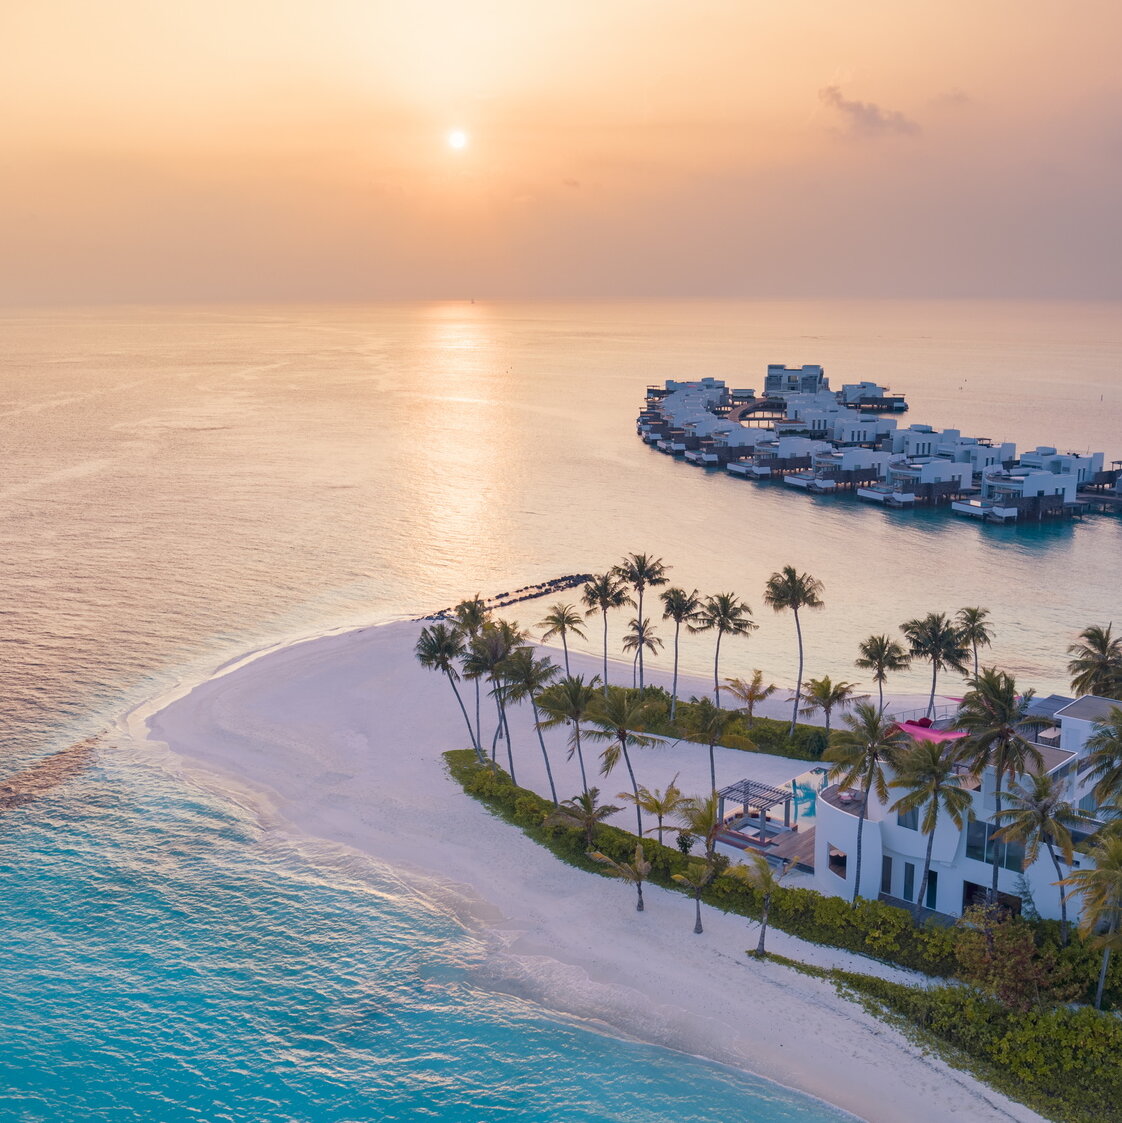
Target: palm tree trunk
{"x": 640, "y": 645}
{"x": 674, "y": 684}
{"x": 712, "y": 769}
{"x": 605, "y": 611}
{"x": 716, "y": 664}
{"x": 659, "y": 829}
{"x": 799, "y": 680}
{"x": 463, "y": 710}
{"x": 931, "y": 703}
{"x": 639, "y": 887}
{"x": 580, "y": 758}
{"x": 634, "y": 786}
{"x": 478, "y": 727}
{"x": 697, "y": 929}
{"x": 1102, "y": 976}
{"x": 857, "y": 862}
{"x": 1063, "y": 895}
{"x": 509, "y": 747}
{"x": 880, "y": 695}
{"x": 565, "y": 648}
{"x": 545, "y": 755}
{"x": 760, "y": 953}
{"x": 926, "y": 874}
{"x": 498, "y": 727}
{"x": 996, "y": 844}
{"x": 974, "y": 645}
{"x": 827, "y": 710}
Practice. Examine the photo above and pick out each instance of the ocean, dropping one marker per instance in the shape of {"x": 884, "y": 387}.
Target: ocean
{"x": 181, "y": 485}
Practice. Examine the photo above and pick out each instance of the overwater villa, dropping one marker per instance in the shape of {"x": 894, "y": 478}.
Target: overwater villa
{"x": 824, "y": 441}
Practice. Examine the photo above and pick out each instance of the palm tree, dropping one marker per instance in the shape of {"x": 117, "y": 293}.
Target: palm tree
{"x": 1039, "y": 814}
{"x": 1105, "y": 757}
{"x": 582, "y": 812}
{"x": 640, "y": 635}
{"x": 860, "y": 755}
{"x": 569, "y": 702}
{"x": 973, "y": 630}
{"x": 700, "y": 817}
{"x": 635, "y": 871}
{"x": 1096, "y": 666}
{"x": 526, "y": 678}
{"x": 659, "y": 804}
{"x": 727, "y": 615}
{"x": 437, "y": 646}
{"x": 560, "y": 621}
{"x": 602, "y": 593}
{"x": 751, "y": 692}
{"x": 710, "y": 724}
{"x": 788, "y": 589}
{"x": 696, "y": 877}
{"x": 486, "y": 657}
{"x": 935, "y": 638}
{"x": 639, "y": 571}
{"x": 761, "y": 877}
{"x": 620, "y": 718}
{"x": 881, "y": 654}
{"x": 825, "y": 695}
{"x": 926, "y": 774}
{"x": 1101, "y": 890}
{"x": 996, "y": 720}
{"x": 470, "y": 616}
{"x": 682, "y": 608}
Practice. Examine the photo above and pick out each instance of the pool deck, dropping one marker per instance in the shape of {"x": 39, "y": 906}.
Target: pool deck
{"x": 798, "y": 846}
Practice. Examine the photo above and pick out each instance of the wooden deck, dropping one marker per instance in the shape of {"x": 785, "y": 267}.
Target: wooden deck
{"x": 798, "y": 846}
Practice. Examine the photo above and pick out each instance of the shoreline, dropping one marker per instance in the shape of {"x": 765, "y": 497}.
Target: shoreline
{"x": 341, "y": 736}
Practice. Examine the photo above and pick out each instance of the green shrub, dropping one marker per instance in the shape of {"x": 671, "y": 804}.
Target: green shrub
{"x": 873, "y": 928}
{"x": 1062, "y": 1062}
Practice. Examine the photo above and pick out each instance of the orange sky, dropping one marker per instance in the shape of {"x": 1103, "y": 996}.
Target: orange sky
{"x": 273, "y": 149}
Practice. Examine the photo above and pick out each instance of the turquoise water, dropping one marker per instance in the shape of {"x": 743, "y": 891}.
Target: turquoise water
{"x": 164, "y": 956}
{"x": 178, "y": 486}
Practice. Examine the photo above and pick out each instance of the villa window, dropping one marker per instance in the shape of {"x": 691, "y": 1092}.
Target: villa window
{"x": 909, "y": 819}
{"x": 980, "y": 844}
{"x": 836, "y": 860}
{"x": 886, "y": 875}
{"x": 909, "y": 880}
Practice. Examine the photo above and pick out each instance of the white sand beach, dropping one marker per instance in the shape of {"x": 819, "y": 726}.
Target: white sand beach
{"x": 342, "y": 737}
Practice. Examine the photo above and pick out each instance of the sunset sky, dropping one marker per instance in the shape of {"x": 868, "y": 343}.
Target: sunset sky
{"x": 284, "y": 149}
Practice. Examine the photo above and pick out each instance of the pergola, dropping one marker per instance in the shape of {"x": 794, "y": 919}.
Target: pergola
{"x": 756, "y": 799}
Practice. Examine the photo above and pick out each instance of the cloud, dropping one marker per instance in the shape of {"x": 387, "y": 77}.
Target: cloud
{"x": 865, "y": 118}
{"x": 952, "y": 99}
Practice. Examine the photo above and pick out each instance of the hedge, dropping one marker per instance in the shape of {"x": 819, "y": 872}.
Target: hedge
{"x": 1060, "y": 1061}
{"x": 872, "y": 928}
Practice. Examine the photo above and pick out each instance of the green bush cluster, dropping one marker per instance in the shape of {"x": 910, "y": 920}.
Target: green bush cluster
{"x": 765, "y": 734}
{"x": 808, "y": 742}
{"x": 1061, "y": 1061}
{"x": 872, "y": 928}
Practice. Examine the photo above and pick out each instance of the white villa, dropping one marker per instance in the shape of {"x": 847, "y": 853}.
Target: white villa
{"x": 801, "y": 431}
{"x": 893, "y": 847}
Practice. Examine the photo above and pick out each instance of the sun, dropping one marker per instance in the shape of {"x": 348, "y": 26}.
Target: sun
{"x": 457, "y": 138}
